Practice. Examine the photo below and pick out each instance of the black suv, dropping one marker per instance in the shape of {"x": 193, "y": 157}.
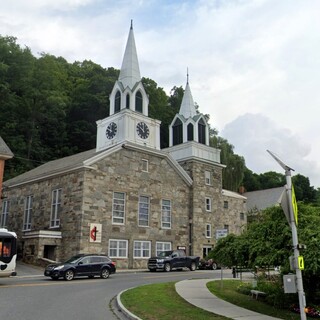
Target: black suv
{"x": 82, "y": 265}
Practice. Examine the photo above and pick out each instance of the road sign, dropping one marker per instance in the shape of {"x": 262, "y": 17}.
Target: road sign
{"x": 294, "y": 205}
{"x": 221, "y": 233}
{"x": 301, "y": 262}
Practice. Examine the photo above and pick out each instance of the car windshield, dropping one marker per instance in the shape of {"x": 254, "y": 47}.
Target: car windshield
{"x": 74, "y": 259}
{"x": 165, "y": 253}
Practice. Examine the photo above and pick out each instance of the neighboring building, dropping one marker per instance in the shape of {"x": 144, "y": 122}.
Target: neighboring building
{"x": 126, "y": 197}
{"x": 5, "y": 154}
{"x": 263, "y": 199}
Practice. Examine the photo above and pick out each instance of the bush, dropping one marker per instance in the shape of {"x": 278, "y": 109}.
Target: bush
{"x": 244, "y": 288}
{"x": 275, "y": 295}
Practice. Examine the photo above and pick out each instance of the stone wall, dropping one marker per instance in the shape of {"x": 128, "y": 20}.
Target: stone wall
{"x": 122, "y": 172}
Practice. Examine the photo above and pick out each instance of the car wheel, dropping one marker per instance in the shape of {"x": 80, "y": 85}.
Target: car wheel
{"x": 105, "y": 273}
{"x": 214, "y": 266}
{"x": 68, "y": 275}
{"x": 167, "y": 267}
{"x": 193, "y": 266}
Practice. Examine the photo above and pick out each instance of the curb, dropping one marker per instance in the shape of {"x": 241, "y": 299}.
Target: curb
{"x": 124, "y": 310}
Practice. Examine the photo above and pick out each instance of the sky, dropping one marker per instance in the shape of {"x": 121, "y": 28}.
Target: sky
{"x": 254, "y": 65}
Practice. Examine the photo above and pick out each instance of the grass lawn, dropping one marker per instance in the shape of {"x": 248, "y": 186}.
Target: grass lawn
{"x": 227, "y": 291}
{"x": 161, "y": 302}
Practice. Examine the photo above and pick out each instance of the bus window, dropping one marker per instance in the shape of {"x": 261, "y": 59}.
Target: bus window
{"x": 6, "y": 249}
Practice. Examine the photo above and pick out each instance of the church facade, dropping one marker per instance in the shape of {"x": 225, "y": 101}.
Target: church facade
{"x": 127, "y": 197}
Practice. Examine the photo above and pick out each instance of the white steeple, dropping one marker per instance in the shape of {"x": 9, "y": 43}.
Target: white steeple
{"x": 130, "y": 72}
{"x": 187, "y": 108}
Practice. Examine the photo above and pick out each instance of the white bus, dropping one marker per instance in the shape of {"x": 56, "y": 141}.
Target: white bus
{"x": 8, "y": 253}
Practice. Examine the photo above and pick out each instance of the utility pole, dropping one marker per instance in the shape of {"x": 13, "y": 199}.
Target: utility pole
{"x": 292, "y": 217}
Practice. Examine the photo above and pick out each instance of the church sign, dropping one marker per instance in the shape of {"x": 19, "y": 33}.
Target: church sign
{"x": 95, "y": 232}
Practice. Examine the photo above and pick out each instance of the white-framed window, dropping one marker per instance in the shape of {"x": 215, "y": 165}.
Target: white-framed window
{"x": 225, "y": 204}
{"x": 207, "y": 178}
{"x": 4, "y": 213}
{"x": 55, "y": 208}
{"x": 208, "y": 230}
{"x": 27, "y": 213}
{"x": 118, "y": 207}
{"x": 208, "y": 204}
{"x": 118, "y": 248}
{"x": 166, "y": 214}
{"x": 241, "y": 216}
{"x": 144, "y": 208}
{"x": 145, "y": 165}
{"x": 163, "y": 246}
{"x": 141, "y": 249}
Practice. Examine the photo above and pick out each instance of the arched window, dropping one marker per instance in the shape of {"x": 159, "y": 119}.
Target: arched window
{"x": 190, "y": 132}
{"x": 117, "y": 102}
{"x": 128, "y": 101}
{"x": 177, "y": 132}
{"x": 139, "y": 102}
{"x": 202, "y": 131}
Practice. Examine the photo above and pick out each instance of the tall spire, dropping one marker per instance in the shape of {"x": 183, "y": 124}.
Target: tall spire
{"x": 187, "y": 108}
{"x": 130, "y": 72}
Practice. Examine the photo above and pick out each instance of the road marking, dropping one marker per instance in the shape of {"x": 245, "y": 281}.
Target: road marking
{"x": 58, "y": 283}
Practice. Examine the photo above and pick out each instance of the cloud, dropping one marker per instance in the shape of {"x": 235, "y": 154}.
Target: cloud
{"x": 253, "y": 134}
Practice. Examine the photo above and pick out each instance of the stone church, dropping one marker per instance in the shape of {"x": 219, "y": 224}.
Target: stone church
{"x": 127, "y": 197}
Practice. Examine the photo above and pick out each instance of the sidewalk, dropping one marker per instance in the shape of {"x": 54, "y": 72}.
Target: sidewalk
{"x": 196, "y": 293}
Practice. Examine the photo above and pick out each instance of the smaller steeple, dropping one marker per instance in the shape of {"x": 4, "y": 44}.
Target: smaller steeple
{"x": 130, "y": 72}
{"x": 187, "y": 108}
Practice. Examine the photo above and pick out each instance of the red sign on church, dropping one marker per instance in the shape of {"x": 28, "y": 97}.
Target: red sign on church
{"x": 95, "y": 232}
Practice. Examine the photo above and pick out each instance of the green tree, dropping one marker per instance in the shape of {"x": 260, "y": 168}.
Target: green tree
{"x": 159, "y": 109}
{"x": 232, "y": 175}
{"x": 303, "y": 190}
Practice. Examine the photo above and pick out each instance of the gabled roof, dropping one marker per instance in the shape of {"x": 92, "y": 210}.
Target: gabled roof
{"x": 130, "y": 72}
{"x": 52, "y": 168}
{"x": 5, "y": 152}
{"x": 262, "y": 199}
{"x": 232, "y": 194}
{"x": 86, "y": 160}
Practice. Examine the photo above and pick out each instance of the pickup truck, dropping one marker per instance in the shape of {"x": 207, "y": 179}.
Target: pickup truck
{"x": 168, "y": 260}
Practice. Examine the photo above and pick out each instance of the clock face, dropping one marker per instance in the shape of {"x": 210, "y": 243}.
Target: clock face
{"x": 111, "y": 130}
{"x": 142, "y": 130}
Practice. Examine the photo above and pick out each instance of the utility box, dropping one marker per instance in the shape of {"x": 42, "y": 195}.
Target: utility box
{"x": 289, "y": 283}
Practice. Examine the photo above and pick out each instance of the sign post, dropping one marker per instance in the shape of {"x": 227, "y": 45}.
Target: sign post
{"x": 292, "y": 216}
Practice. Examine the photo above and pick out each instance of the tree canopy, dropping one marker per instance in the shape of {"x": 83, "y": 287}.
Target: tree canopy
{"x": 268, "y": 242}
{"x": 49, "y": 108}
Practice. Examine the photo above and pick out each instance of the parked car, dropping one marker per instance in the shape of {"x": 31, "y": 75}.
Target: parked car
{"x": 82, "y": 265}
{"x": 177, "y": 259}
{"x": 207, "y": 264}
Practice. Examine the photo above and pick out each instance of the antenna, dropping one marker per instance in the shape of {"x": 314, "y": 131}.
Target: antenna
{"x": 187, "y": 75}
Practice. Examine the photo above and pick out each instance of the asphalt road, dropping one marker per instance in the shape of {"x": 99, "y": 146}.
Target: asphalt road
{"x": 31, "y": 296}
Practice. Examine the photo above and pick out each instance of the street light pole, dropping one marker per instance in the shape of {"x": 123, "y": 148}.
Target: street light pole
{"x": 292, "y": 223}
{"x": 296, "y": 254}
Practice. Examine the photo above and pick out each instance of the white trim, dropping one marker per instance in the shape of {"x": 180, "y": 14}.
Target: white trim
{"x": 42, "y": 234}
{"x": 209, "y": 203}
{"x": 141, "y": 249}
{"x": 117, "y": 248}
{"x": 208, "y": 231}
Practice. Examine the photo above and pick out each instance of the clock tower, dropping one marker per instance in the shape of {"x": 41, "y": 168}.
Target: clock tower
{"x": 128, "y": 120}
